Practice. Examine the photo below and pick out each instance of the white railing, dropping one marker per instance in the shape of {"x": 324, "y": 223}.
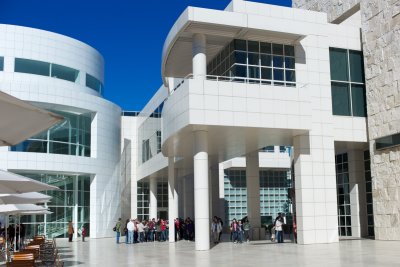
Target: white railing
{"x": 238, "y": 80}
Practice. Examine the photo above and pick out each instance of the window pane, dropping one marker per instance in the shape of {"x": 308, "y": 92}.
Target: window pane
{"x": 32, "y": 67}
{"x": 356, "y": 66}
{"x": 254, "y": 72}
{"x": 278, "y": 75}
{"x": 240, "y": 45}
{"x": 289, "y": 62}
{"x": 253, "y": 46}
{"x": 289, "y": 50}
{"x": 265, "y": 48}
{"x": 290, "y": 76}
{"x": 266, "y": 73}
{"x": 338, "y": 62}
{"x": 340, "y": 99}
{"x": 94, "y": 83}
{"x": 358, "y": 100}
{"x": 253, "y": 59}
{"x": 240, "y": 57}
{"x": 266, "y": 60}
{"x": 1, "y": 63}
{"x": 65, "y": 73}
{"x": 277, "y": 49}
{"x": 240, "y": 71}
{"x": 278, "y": 61}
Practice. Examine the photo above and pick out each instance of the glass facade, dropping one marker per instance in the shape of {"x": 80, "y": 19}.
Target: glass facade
{"x": 70, "y": 203}
{"x": 143, "y": 198}
{"x": 72, "y": 136}
{"x": 1, "y": 63}
{"x": 368, "y": 191}
{"x": 64, "y": 73}
{"x": 274, "y": 198}
{"x": 343, "y": 194}
{"x": 93, "y": 83}
{"x": 348, "y": 83}
{"x": 255, "y": 62}
{"x": 149, "y": 135}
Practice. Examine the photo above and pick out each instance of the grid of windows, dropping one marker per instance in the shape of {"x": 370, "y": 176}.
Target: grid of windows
{"x": 274, "y": 196}
{"x": 162, "y": 195}
{"x": 343, "y": 194}
{"x": 37, "y": 67}
{"x": 368, "y": 190}
{"x": 73, "y": 196}
{"x": 1, "y": 63}
{"x": 69, "y": 137}
{"x": 347, "y": 81}
{"x": 235, "y": 195}
{"x": 255, "y": 62}
{"x": 143, "y": 196}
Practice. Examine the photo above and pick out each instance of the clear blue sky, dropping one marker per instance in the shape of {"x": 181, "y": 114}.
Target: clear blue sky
{"x": 128, "y": 33}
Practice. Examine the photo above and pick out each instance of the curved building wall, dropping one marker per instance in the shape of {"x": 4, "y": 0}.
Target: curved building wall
{"x": 102, "y": 166}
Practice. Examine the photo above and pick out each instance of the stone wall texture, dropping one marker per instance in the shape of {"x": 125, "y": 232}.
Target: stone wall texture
{"x": 381, "y": 47}
{"x": 334, "y": 8}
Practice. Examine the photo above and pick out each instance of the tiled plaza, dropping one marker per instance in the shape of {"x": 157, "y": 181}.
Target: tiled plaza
{"x": 104, "y": 252}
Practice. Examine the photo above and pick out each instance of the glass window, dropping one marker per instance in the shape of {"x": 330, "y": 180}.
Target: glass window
{"x": 359, "y": 101}
{"x": 289, "y": 50}
{"x": 253, "y": 59}
{"x": 266, "y": 60}
{"x": 387, "y": 141}
{"x": 356, "y": 66}
{"x": 32, "y": 66}
{"x": 240, "y": 45}
{"x": 290, "y": 76}
{"x": 289, "y": 62}
{"x": 253, "y": 46}
{"x": 240, "y": 57}
{"x": 278, "y": 61}
{"x": 254, "y": 72}
{"x": 265, "y": 48}
{"x": 341, "y": 99}
{"x": 339, "y": 66}
{"x": 277, "y": 49}
{"x": 93, "y": 83}
{"x": 266, "y": 73}
{"x": 65, "y": 73}
{"x": 240, "y": 71}
{"x": 1, "y": 63}
{"x": 278, "y": 75}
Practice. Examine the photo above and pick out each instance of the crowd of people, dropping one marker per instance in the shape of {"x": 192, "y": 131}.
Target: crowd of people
{"x": 136, "y": 231}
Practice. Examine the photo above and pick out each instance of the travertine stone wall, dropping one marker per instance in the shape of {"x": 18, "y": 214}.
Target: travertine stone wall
{"x": 381, "y": 44}
{"x": 334, "y": 8}
{"x": 381, "y": 47}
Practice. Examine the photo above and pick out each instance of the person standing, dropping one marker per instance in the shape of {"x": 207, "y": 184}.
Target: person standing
{"x": 83, "y": 234}
{"x": 246, "y": 228}
{"x": 70, "y": 231}
{"x": 118, "y": 229}
{"x": 216, "y": 229}
{"x": 131, "y": 227}
{"x": 278, "y": 229}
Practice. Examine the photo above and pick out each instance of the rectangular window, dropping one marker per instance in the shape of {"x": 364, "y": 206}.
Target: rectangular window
{"x": 339, "y": 64}
{"x": 64, "y": 73}
{"x": 341, "y": 99}
{"x": 94, "y": 83}
{"x": 32, "y": 66}
{"x": 356, "y": 66}
{"x": 358, "y": 100}
{"x": 387, "y": 141}
{"x": 1, "y": 63}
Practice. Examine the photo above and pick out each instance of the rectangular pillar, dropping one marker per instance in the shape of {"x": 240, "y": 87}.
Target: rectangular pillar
{"x": 315, "y": 187}
{"x": 153, "y": 198}
{"x": 171, "y": 200}
{"x": 253, "y": 193}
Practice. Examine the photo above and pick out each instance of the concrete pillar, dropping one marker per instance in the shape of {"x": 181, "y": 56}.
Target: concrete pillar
{"x": 201, "y": 194}
{"x": 253, "y": 193}
{"x": 199, "y": 56}
{"x": 171, "y": 200}
{"x": 358, "y": 203}
{"x": 153, "y": 199}
{"x": 315, "y": 189}
{"x": 176, "y": 195}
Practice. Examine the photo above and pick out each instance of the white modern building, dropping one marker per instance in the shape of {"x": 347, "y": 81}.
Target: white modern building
{"x": 80, "y": 155}
{"x": 240, "y": 80}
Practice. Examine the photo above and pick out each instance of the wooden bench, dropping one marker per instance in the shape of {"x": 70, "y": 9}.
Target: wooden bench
{"x": 20, "y": 259}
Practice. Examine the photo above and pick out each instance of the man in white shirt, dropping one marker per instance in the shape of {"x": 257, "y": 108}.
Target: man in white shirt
{"x": 140, "y": 228}
{"x": 131, "y": 227}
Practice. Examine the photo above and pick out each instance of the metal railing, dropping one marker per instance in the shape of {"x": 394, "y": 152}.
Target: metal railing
{"x": 238, "y": 80}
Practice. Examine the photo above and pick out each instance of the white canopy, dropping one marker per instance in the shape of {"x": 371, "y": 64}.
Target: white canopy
{"x": 11, "y": 183}
{"x": 24, "y": 198}
{"x": 14, "y": 209}
{"x": 37, "y": 212}
{"x": 20, "y": 120}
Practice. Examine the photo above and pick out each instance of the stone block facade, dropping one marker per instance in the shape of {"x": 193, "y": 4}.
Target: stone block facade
{"x": 381, "y": 48}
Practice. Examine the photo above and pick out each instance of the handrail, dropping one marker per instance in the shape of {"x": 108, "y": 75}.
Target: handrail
{"x": 237, "y": 79}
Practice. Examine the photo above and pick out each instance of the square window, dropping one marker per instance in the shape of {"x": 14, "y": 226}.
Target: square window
{"x": 278, "y": 61}
{"x": 253, "y": 46}
{"x": 240, "y": 45}
{"x": 277, "y": 49}
{"x": 340, "y": 99}
{"x": 278, "y": 75}
{"x": 265, "y": 48}
{"x": 266, "y": 73}
{"x": 289, "y": 62}
{"x": 240, "y": 57}
{"x": 253, "y": 59}
{"x": 290, "y": 75}
{"x": 289, "y": 50}
{"x": 254, "y": 72}
{"x": 266, "y": 60}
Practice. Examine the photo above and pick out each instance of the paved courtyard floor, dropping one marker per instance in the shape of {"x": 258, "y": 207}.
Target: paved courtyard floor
{"x": 354, "y": 253}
